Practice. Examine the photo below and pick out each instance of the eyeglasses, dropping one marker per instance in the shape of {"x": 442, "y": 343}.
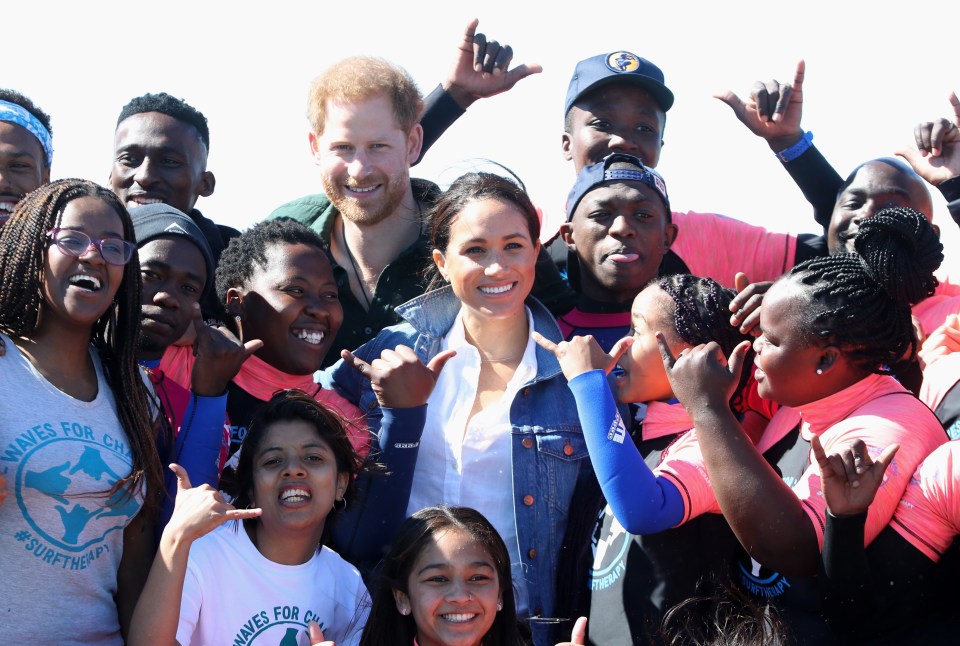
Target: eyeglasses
{"x": 76, "y": 243}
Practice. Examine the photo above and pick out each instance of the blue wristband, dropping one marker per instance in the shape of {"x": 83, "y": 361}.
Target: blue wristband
{"x": 796, "y": 149}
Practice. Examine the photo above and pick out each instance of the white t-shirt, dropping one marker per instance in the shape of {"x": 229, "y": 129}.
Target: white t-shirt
{"x": 61, "y": 536}
{"x": 234, "y": 595}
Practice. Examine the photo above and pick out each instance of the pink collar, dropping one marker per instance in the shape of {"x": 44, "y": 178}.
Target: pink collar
{"x": 820, "y": 415}
{"x": 665, "y": 419}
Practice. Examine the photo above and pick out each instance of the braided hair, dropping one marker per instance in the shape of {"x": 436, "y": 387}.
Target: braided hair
{"x": 861, "y": 301}
{"x": 23, "y": 251}
{"x": 702, "y": 314}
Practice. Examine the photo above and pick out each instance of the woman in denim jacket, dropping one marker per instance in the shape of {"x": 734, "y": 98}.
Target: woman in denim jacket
{"x": 501, "y": 433}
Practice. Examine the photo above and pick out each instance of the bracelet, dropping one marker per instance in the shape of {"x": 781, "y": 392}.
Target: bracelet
{"x": 796, "y": 149}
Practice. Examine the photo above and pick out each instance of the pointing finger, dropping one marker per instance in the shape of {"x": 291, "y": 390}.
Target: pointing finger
{"x": 669, "y": 361}
{"x": 544, "y": 342}
{"x": 618, "y": 350}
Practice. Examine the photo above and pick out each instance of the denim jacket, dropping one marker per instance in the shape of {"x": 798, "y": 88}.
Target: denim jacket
{"x": 548, "y": 449}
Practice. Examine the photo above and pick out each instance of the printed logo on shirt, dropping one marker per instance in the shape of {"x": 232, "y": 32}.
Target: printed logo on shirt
{"x": 62, "y": 474}
{"x": 762, "y": 582}
{"x": 617, "y": 430}
{"x": 283, "y": 625}
{"x": 609, "y": 552}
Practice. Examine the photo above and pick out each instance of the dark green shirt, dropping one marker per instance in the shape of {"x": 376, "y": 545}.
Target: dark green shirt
{"x": 401, "y": 280}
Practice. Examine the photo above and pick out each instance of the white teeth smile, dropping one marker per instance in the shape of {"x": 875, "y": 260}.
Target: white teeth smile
{"x": 497, "y": 290}
{"x": 84, "y": 281}
{"x": 295, "y": 495}
{"x": 359, "y": 189}
{"x": 140, "y": 201}
{"x": 7, "y": 206}
{"x": 459, "y": 618}
{"x": 313, "y": 337}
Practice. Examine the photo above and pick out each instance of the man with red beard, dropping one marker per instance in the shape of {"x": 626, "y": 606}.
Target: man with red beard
{"x": 365, "y": 135}
{"x": 26, "y": 149}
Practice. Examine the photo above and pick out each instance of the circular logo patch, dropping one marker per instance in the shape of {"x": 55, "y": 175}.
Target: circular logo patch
{"x": 623, "y": 62}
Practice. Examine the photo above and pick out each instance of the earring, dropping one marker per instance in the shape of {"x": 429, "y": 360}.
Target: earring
{"x": 819, "y": 371}
{"x": 404, "y": 611}
{"x": 344, "y": 501}
{"x": 237, "y": 318}
{"x": 499, "y": 605}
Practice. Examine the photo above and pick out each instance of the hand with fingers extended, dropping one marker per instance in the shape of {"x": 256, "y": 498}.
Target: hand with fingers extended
{"x": 582, "y": 354}
{"x": 316, "y": 635}
{"x": 578, "y": 637}
{"x": 219, "y": 356}
{"x": 942, "y": 341}
{"x": 746, "y": 304}
{"x": 849, "y": 478}
{"x": 702, "y": 377}
{"x": 773, "y": 111}
{"x": 398, "y": 377}
{"x": 199, "y": 510}
{"x": 937, "y": 156}
{"x": 482, "y": 68}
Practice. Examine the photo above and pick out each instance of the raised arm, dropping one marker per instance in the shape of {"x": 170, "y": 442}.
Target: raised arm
{"x": 764, "y": 513}
{"x": 480, "y": 70}
{"x": 402, "y": 385}
{"x": 937, "y": 155}
{"x": 773, "y": 113}
{"x": 643, "y": 502}
{"x": 198, "y": 511}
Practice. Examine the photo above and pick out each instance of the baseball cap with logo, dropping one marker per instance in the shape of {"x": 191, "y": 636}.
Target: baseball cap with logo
{"x": 617, "y": 67}
{"x": 600, "y": 173}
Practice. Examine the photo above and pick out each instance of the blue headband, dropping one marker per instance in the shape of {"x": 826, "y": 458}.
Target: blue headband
{"x": 19, "y": 115}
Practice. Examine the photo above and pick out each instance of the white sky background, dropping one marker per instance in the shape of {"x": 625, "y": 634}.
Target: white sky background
{"x": 874, "y": 69}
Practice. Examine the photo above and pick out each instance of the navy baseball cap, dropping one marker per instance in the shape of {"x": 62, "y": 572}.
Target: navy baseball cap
{"x": 600, "y": 173}
{"x": 617, "y": 67}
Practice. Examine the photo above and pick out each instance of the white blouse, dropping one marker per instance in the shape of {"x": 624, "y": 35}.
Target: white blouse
{"x": 470, "y": 465}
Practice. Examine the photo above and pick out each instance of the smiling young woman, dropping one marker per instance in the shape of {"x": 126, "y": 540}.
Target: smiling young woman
{"x": 500, "y": 407}
{"x": 277, "y": 285}
{"x": 445, "y": 582}
{"x": 74, "y": 417}
{"x": 267, "y": 572}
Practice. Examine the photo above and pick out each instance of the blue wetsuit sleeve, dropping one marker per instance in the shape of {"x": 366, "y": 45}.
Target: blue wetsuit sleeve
{"x": 201, "y": 438}
{"x": 197, "y": 449}
{"x": 364, "y": 531}
{"x": 642, "y": 502}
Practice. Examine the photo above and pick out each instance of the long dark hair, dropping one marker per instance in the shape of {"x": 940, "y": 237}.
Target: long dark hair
{"x": 386, "y": 626}
{"x": 24, "y": 245}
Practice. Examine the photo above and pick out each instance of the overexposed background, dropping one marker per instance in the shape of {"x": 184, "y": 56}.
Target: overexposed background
{"x": 874, "y": 69}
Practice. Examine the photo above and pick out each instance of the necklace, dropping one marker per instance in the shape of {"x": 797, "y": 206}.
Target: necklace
{"x": 507, "y": 360}
{"x": 353, "y": 264}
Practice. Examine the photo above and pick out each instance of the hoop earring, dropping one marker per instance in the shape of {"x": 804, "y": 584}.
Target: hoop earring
{"x": 344, "y": 501}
